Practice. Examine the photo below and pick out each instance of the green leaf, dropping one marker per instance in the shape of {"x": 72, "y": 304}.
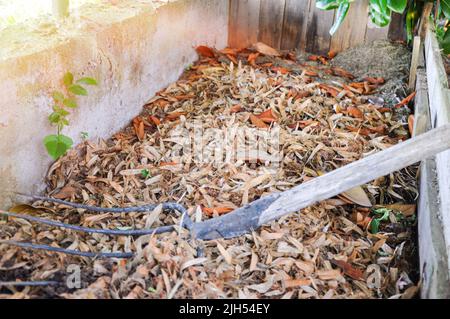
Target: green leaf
{"x": 145, "y": 173}
{"x": 341, "y": 13}
{"x": 70, "y": 103}
{"x": 327, "y": 4}
{"x": 54, "y": 117}
{"x": 445, "y": 7}
{"x": 68, "y": 79}
{"x": 58, "y": 96}
{"x": 88, "y": 81}
{"x": 397, "y": 5}
{"x": 57, "y": 145}
{"x": 78, "y": 90}
{"x": 444, "y": 42}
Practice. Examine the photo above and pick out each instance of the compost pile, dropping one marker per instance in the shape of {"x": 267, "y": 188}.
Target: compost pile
{"x": 357, "y": 245}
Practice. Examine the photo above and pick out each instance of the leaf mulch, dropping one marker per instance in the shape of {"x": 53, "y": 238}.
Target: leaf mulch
{"x": 329, "y": 250}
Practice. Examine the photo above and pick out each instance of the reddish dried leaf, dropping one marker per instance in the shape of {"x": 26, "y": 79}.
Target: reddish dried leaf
{"x": 411, "y": 124}
{"x": 280, "y": 69}
{"x": 174, "y": 116}
{"x": 205, "y": 51}
{"x": 267, "y": 116}
{"x": 355, "y": 112}
{"x": 219, "y": 210}
{"x": 139, "y": 129}
{"x": 258, "y": 122}
{"x": 406, "y": 100}
{"x": 236, "y": 108}
{"x": 154, "y": 120}
{"x": 331, "y": 54}
{"x": 252, "y": 58}
{"x": 349, "y": 270}
{"x": 342, "y": 73}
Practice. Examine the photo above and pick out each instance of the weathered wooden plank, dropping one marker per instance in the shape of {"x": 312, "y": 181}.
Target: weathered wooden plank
{"x": 316, "y": 38}
{"x": 432, "y": 252}
{"x": 439, "y": 97}
{"x": 244, "y": 23}
{"x": 277, "y": 205}
{"x": 414, "y": 62}
{"x": 353, "y": 30}
{"x": 271, "y": 18}
{"x": 295, "y": 22}
{"x": 374, "y": 32}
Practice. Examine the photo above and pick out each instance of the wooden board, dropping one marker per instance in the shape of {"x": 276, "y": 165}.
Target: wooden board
{"x": 244, "y": 23}
{"x": 271, "y": 18}
{"x": 439, "y": 100}
{"x": 317, "y": 39}
{"x": 374, "y": 32}
{"x": 290, "y": 24}
{"x": 295, "y": 23}
{"x": 353, "y": 30}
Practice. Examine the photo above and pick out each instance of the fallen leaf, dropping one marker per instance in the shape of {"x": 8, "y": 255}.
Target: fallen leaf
{"x": 219, "y": 210}
{"x": 280, "y": 69}
{"x": 258, "y": 122}
{"x": 411, "y": 124}
{"x": 205, "y": 51}
{"x": 331, "y": 54}
{"x": 355, "y": 112}
{"x": 349, "y": 270}
{"x": 226, "y": 255}
{"x": 138, "y": 126}
{"x": 154, "y": 120}
{"x": 358, "y": 196}
{"x": 290, "y": 283}
{"x": 265, "y": 49}
{"x": 236, "y": 108}
{"x": 406, "y": 209}
{"x": 66, "y": 192}
{"x": 406, "y": 100}
{"x": 267, "y": 116}
{"x": 174, "y": 116}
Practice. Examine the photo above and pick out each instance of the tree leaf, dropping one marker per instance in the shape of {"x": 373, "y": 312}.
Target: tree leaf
{"x": 58, "y": 96}
{"x": 57, "y": 145}
{"x": 70, "y": 103}
{"x": 88, "y": 81}
{"x": 341, "y": 13}
{"x": 327, "y": 4}
{"x": 78, "y": 90}
{"x": 397, "y": 5}
{"x": 68, "y": 79}
{"x": 445, "y": 7}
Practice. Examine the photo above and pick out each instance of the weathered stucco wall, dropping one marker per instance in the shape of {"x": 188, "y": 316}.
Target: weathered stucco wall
{"x": 134, "y": 49}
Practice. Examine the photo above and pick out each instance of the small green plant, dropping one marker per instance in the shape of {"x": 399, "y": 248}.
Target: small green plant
{"x": 58, "y": 144}
{"x": 145, "y": 173}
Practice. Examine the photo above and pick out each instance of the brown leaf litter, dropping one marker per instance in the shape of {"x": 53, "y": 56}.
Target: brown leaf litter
{"x": 324, "y": 251}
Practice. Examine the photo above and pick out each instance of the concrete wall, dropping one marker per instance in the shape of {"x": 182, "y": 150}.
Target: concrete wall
{"x": 134, "y": 49}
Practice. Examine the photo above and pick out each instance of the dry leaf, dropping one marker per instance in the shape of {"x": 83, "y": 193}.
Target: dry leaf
{"x": 205, "y": 51}
{"x": 265, "y": 49}
{"x": 358, "y": 196}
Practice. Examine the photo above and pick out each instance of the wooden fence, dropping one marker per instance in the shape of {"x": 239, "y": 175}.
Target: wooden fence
{"x": 290, "y": 24}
